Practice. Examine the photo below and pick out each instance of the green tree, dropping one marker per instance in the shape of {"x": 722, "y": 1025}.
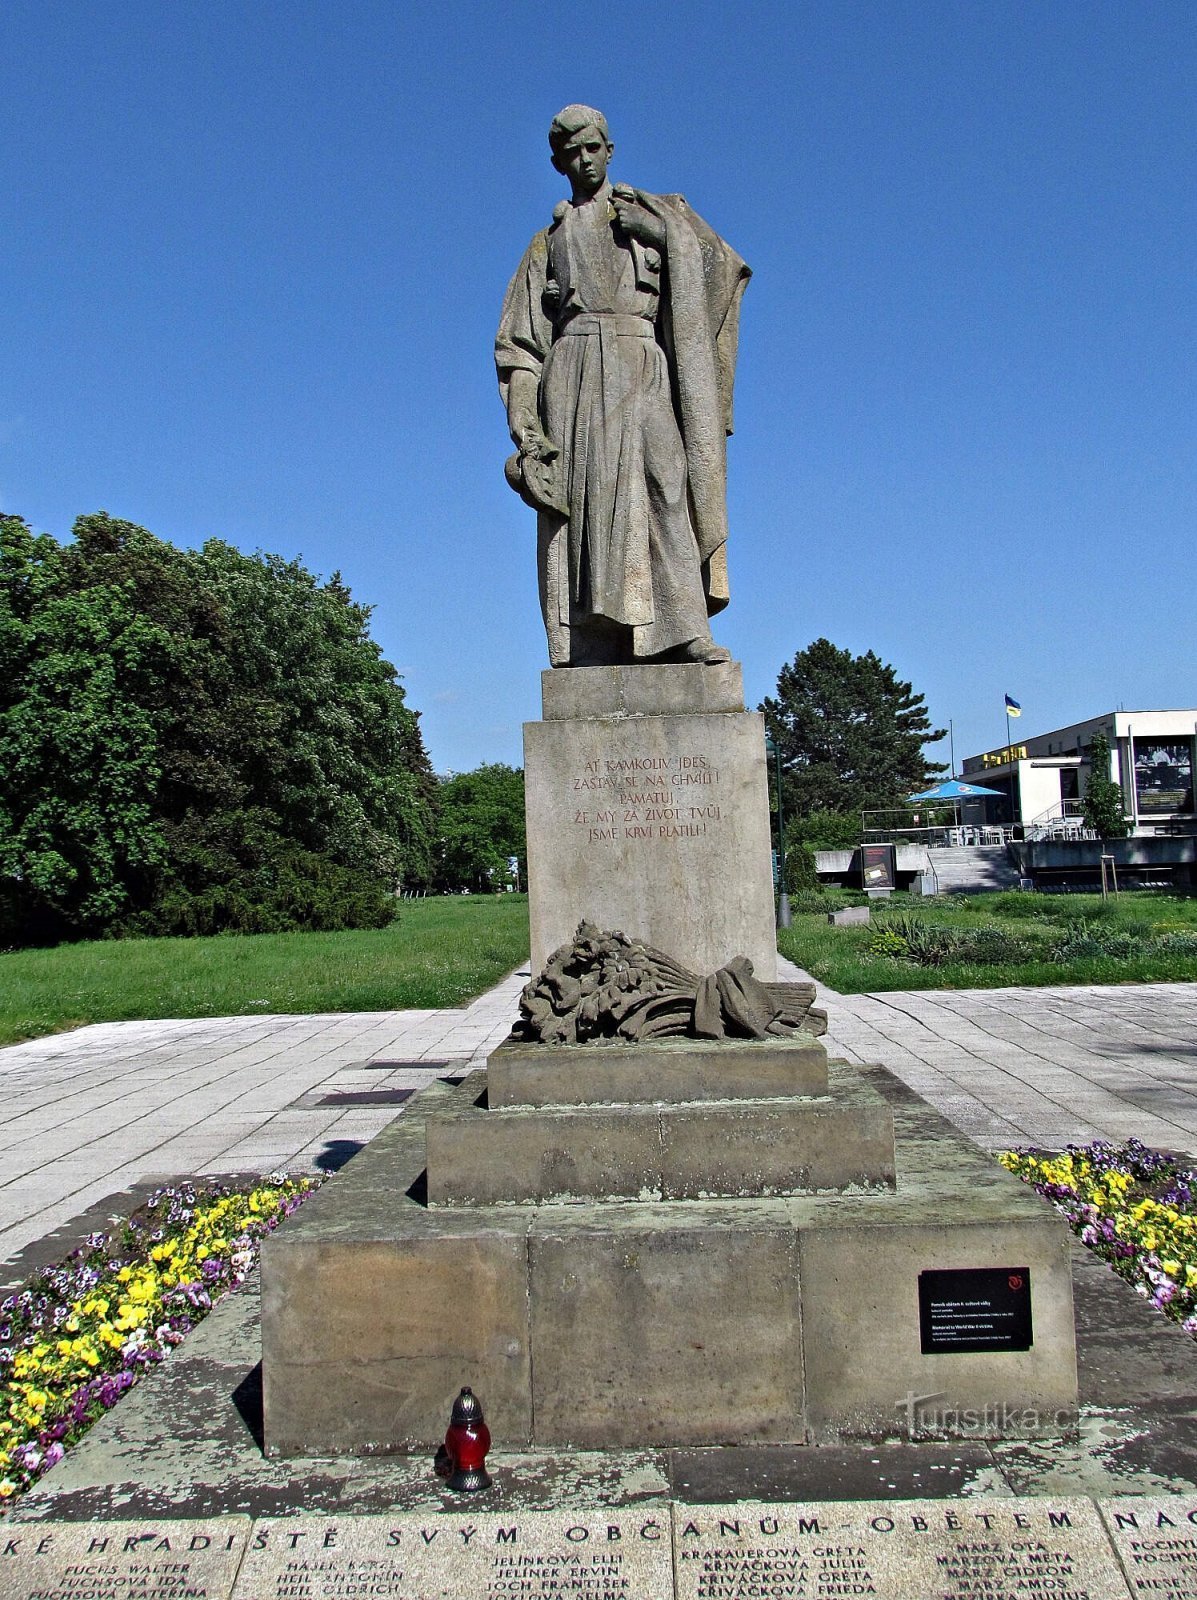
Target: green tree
{"x": 1102, "y": 807}
{"x": 197, "y": 740}
{"x": 482, "y": 829}
{"x": 850, "y": 731}
{"x": 817, "y": 830}
{"x": 326, "y": 742}
{"x": 80, "y": 833}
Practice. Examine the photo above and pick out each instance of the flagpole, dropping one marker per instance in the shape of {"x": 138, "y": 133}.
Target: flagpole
{"x": 1010, "y": 758}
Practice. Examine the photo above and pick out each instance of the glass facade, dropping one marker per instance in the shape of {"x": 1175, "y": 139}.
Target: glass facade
{"x": 1163, "y": 776}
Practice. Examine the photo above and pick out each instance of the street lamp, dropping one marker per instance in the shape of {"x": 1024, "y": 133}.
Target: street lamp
{"x": 772, "y": 748}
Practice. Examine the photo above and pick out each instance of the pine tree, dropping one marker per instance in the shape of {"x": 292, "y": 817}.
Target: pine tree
{"x": 850, "y": 731}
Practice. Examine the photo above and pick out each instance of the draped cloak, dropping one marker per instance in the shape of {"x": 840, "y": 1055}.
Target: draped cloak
{"x": 634, "y": 354}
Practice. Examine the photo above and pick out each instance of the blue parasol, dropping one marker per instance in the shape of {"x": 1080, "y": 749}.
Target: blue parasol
{"x": 953, "y": 789}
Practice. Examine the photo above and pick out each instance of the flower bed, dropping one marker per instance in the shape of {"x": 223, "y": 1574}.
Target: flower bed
{"x": 80, "y": 1334}
{"x": 1134, "y": 1207}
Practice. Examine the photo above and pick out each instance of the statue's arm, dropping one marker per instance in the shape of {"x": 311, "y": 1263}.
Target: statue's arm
{"x": 524, "y": 418}
{"x": 524, "y": 338}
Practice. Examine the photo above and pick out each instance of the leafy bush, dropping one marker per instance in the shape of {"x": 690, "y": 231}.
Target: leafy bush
{"x": 1089, "y": 937}
{"x": 906, "y": 938}
{"x": 1017, "y": 905}
{"x": 809, "y": 902}
{"x": 926, "y": 944}
{"x": 992, "y": 946}
{"x": 296, "y": 891}
{"x": 802, "y": 874}
{"x": 1095, "y": 939}
{"x": 885, "y": 941}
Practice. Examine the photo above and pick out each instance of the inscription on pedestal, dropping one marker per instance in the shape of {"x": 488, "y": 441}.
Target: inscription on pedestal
{"x": 1157, "y": 1543}
{"x": 657, "y": 826}
{"x": 121, "y": 1560}
{"x": 896, "y": 1550}
{"x": 649, "y": 798}
{"x": 616, "y": 1555}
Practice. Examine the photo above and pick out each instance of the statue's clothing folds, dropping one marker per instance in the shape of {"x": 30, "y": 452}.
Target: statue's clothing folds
{"x": 633, "y": 350}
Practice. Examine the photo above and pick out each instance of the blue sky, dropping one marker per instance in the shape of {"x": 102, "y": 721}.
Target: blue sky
{"x": 254, "y": 253}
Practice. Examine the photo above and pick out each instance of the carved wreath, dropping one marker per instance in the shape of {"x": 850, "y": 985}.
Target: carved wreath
{"x": 608, "y": 988}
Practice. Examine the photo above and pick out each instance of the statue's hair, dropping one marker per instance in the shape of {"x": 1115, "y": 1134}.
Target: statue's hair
{"x": 571, "y": 120}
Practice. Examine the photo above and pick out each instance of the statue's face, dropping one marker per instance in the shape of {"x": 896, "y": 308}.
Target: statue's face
{"x": 583, "y": 159}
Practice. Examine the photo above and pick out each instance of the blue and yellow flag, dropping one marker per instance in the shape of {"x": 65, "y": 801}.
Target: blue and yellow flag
{"x": 1013, "y": 709}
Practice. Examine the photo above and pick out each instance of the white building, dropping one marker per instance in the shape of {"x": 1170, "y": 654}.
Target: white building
{"x": 1043, "y": 779}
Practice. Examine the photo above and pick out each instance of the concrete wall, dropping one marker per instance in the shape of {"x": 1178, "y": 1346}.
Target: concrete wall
{"x": 1058, "y": 857}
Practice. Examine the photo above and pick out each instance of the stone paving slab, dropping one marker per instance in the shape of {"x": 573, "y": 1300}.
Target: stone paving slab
{"x": 87, "y": 1113}
{"x": 1035, "y": 1066}
{"x": 1156, "y": 1541}
{"x": 896, "y": 1550}
{"x": 172, "y": 1560}
{"x": 472, "y": 1555}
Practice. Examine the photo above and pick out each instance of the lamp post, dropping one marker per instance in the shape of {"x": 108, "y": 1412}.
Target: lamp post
{"x": 772, "y": 748}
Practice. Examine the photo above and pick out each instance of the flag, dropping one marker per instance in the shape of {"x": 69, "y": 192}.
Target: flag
{"x": 1013, "y": 709}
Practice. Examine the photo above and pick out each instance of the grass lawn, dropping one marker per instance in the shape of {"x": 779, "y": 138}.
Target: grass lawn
{"x": 439, "y": 952}
{"x": 994, "y": 941}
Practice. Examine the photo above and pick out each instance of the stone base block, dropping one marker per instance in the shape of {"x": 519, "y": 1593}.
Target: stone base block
{"x": 670, "y": 1072}
{"x": 691, "y": 1321}
{"x": 640, "y": 691}
{"x": 653, "y": 820}
{"x": 366, "y": 1334}
{"x": 478, "y": 1156}
{"x": 667, "y": 1329}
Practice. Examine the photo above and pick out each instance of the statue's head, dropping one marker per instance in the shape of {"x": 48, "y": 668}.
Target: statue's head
{"x": 581, "y": 146}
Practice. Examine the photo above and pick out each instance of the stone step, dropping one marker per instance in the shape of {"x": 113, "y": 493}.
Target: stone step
{"x": 794, "y": 1145}
{"x": 519, "y": 1074}
{"x": 974, "y": 869}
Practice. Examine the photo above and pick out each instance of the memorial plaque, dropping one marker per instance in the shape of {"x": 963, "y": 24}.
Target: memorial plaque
{"x": 975, "y": 1308}
{"x": 604, "y": 1555}
{"x": 982, "y": 1549}
{"x": 121, "y": 1560}
{"x": 1156, "y": 1542}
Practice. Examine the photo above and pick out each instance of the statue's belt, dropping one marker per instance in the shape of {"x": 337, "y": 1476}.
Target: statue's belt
{"x": 623, "y": 325}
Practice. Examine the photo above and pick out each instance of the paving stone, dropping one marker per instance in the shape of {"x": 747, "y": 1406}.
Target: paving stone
{"x": 111, "y": 1103}
{"x": 1156, "y": 1542}
{"x": 466, "y": 1555}
{"x": 896, "y": 1549}
{"x": 149, "y": 1560}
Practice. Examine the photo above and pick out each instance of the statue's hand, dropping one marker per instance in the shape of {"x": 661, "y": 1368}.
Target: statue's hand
{"x": 636, "y": 220}
{"x": 533, "y": 442}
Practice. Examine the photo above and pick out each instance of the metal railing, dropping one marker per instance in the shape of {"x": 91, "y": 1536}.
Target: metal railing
{"x": 1064, "y": 820}
{"x": 949, "y": 835}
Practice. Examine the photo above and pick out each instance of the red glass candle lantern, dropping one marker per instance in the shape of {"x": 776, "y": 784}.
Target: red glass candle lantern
{"x": 466, "y": 1444}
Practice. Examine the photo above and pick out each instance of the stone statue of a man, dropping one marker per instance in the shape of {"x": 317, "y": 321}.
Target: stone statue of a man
{"x": 616, "y": 355}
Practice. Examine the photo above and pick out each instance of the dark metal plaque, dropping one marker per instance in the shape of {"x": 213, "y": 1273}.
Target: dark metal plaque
{"x": 879, "y": 866}
{"x": 975, "y": 1308}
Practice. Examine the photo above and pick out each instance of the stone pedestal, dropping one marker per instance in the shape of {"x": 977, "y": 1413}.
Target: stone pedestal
{"x": 759, "y": 1277}
{"x": 648, "y": 812}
